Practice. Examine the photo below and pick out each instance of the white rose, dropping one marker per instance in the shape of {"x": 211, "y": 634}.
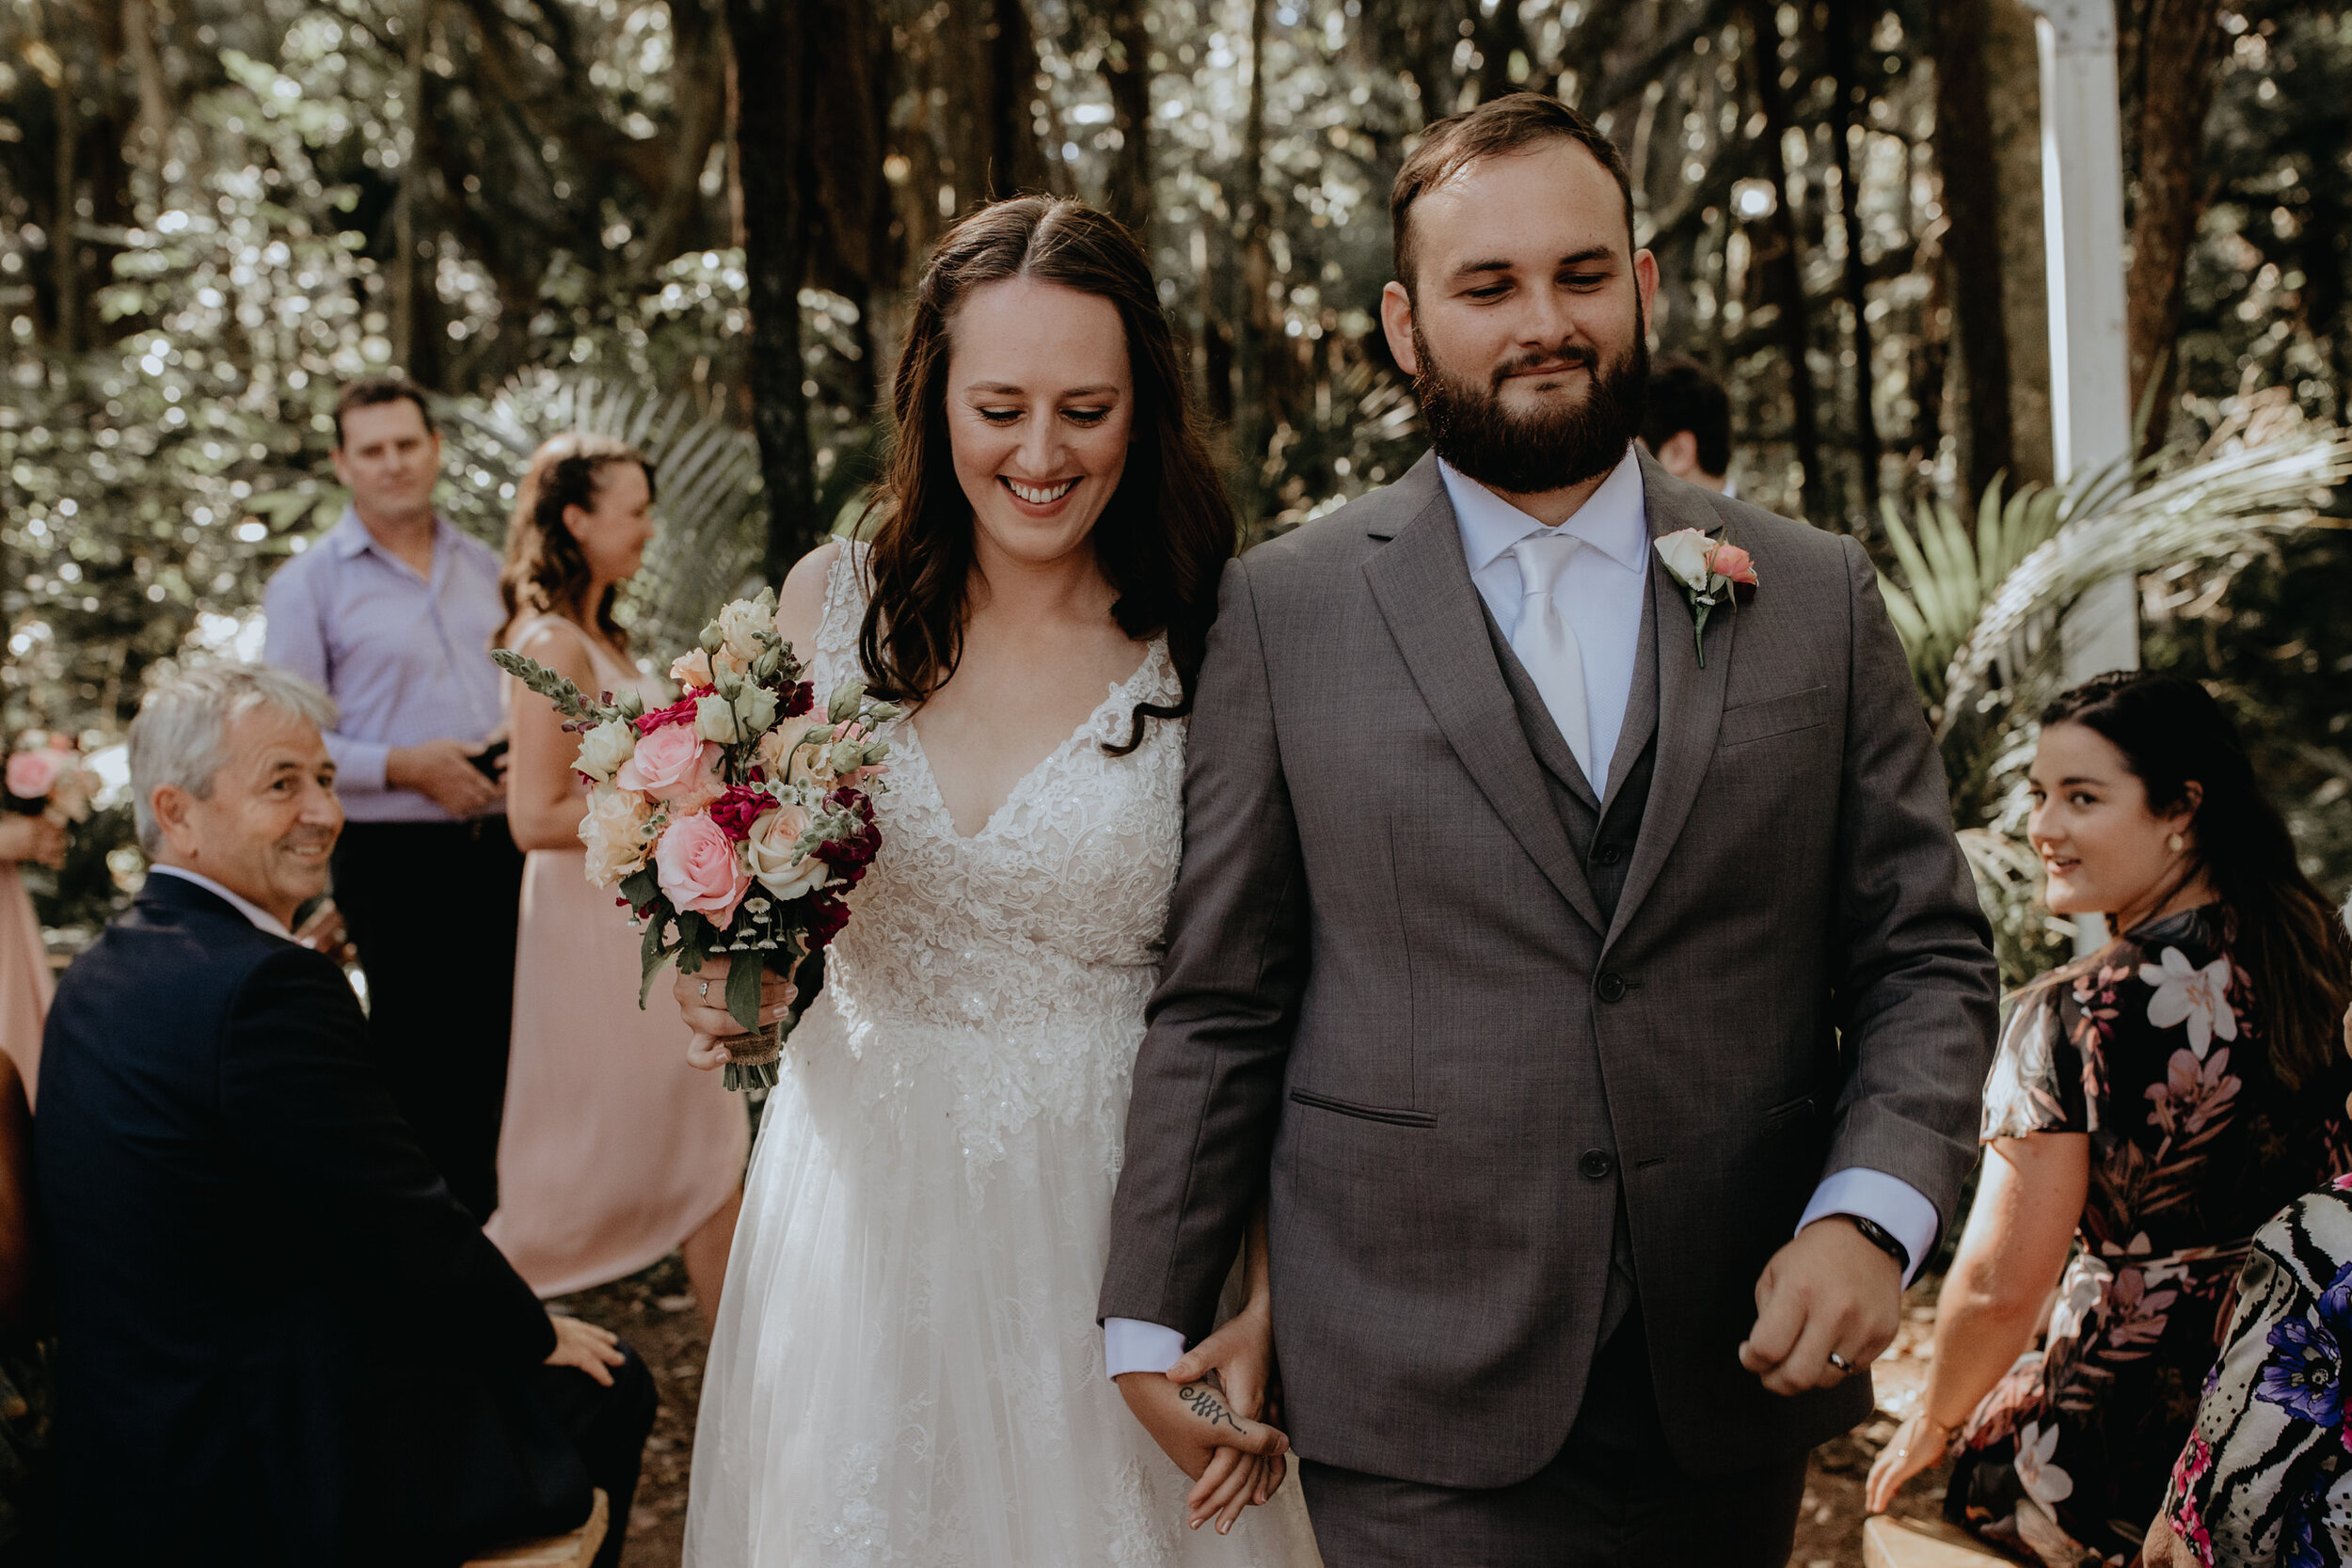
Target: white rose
{"x": 1686, "y": 553}
{"x": 603, "y": 748}
{"x": 746, "y": 626}
{"x": 774, "y": 863}
{"x": 729, "y": 721}
{"x": 614, "y": 831}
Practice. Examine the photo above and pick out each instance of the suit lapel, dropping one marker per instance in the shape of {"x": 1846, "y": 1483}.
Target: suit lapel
{"x": 1690, "y": 698}
{"x": 1423, "y": 589}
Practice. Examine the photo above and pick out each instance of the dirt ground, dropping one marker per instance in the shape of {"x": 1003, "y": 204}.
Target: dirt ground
{"x": 655, "y": 1312}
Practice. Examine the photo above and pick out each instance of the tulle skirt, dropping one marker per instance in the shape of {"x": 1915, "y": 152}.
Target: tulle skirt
{"x": 907, "y": 1368}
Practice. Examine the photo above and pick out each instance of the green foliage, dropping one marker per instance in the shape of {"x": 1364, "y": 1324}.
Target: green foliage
{"x": 1950, "y": 577}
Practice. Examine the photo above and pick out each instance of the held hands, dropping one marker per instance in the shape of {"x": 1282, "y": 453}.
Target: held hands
{"x": 584, "y": 1347}
{"x": 702, "y": 1002}
{"x": 1234, "y": 1462}
{"x": 1829, "y": 1291}
{"x": 444, "y": 773}
{"x": 1239, "y": 1357}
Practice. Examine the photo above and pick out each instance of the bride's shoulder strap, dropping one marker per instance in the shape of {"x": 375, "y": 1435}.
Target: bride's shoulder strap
{"x": 845, "y": 599}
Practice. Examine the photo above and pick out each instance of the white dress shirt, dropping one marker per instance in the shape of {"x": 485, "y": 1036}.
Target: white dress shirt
{"x": 1599, "y": 596}
{"x": 262, "y": 920}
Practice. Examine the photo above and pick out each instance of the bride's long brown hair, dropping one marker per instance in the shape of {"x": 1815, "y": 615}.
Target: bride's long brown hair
{"x": 1165, "y": 534}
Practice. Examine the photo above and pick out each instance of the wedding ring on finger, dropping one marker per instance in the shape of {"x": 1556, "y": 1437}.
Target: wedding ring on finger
{"x": 1840, "y": 1362}
{"x": 706, "y": 988}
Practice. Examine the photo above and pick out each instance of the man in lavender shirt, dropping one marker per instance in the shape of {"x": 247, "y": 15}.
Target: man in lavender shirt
{"x": 392, "y": 612}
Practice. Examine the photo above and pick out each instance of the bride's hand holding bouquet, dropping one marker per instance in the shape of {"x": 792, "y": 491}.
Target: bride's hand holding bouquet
{"x": 732, "y": 821}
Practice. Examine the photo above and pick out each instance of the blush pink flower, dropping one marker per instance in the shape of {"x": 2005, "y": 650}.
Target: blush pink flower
{"x": 699, "y": 869}
{"x": 1732, "y": 562}
{"x": 674, "y": 764}
{"x": 32, "y": 774}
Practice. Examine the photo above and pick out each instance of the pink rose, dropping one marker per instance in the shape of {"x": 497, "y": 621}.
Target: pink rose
{"x": 674, "y": 764}
{"x": 32, "y": 774}
{"x": 698, "y": 867}
{"x": 1734, "y": 563}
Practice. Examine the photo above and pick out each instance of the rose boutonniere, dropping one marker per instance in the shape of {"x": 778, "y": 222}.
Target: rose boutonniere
{"x": 1709, "y": 572}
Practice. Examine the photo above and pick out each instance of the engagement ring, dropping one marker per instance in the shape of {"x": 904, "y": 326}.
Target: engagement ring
{"x": 1840, "y": 1362}
{"x": 706, "y": 988}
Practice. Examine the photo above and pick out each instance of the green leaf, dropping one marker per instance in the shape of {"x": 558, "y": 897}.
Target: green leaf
{"x": 651, "y": 956}
{"x": 744, "y": 990}
{"x": 640, "y": 887}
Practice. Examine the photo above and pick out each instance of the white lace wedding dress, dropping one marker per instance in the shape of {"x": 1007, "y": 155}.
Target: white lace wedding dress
{"x": 907, "y": 1368}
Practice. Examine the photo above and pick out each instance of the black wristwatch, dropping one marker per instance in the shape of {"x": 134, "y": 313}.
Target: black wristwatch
{"x": 1881, "y": 1238}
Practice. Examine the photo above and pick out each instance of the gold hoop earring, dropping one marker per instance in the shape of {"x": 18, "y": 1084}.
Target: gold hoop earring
{"x": 2176, "y": 844}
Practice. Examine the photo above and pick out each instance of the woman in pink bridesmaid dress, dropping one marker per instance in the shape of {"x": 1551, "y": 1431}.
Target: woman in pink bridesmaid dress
{"x": 24, "y": 980}
{"x": 614, "y": 1151}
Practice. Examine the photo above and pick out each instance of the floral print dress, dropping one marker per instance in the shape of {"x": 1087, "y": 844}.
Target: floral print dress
{"x": 2157, "y": 1053}
{"x": 2267, "y": 1477}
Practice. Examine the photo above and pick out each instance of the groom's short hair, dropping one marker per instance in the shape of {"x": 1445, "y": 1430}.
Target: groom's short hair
{"x": 1499, "y": 125}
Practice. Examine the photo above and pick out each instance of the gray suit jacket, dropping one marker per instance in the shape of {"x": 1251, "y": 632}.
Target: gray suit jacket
{"x": 1393, "y": 1006}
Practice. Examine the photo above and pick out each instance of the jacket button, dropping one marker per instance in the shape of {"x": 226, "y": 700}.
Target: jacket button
{"x": 1612, "y": 986}
{"x": 1595, "y": 1164}
{"x": 1609, "y": 854}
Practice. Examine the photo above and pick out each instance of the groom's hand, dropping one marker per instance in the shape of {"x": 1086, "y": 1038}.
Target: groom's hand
{"x": 1828, "y": 1290}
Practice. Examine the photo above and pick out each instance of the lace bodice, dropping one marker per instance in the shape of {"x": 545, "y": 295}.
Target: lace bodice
{"x": 1016, "y": 961}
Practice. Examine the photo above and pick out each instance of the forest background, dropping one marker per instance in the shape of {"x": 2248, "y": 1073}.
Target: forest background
{"x": 697, "y": 221}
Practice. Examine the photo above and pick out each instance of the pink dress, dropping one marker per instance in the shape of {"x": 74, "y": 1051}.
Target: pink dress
{"x": 614, "y": 1151}
{"x": 25, "y": 983}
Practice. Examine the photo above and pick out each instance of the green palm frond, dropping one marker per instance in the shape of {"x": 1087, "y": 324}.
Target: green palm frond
{"x": 2208, "y": 509}
{"x": 710, "y": 510}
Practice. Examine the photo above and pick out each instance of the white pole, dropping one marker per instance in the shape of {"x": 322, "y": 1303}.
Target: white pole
{"x": 2090, "y": 401}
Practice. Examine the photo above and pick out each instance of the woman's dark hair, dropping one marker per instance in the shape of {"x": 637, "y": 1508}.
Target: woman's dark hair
{"x": 2282, "y": 932}
{"x": 546, "y": 571}
{"x": 1165, "y": 534}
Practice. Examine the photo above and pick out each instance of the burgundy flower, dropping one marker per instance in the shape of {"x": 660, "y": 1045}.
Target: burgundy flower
{"x": 679, "y": 712}
{"x": 826, "y": 914}
{"x": 794, "y": 701}
{"x": 739, "y": 808}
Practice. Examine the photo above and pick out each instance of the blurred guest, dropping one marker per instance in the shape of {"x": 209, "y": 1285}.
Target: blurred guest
{"x": 2150, "y": 1107}
{"x": 26, "y": 1481}
{"x": 282, "y": 1340}
{"x": 392, "y": 612}
{"x": 24, "y": 961}
{"x": 614, "y": 1151}
{"x": 1687, "y": 422}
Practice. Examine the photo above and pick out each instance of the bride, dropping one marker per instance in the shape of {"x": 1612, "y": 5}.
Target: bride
{"x": 906, "y": 1367}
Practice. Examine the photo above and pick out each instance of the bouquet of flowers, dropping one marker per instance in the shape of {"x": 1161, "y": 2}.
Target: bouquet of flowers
{"x": 734, "y": 820}
{"x": 46, "y": 778}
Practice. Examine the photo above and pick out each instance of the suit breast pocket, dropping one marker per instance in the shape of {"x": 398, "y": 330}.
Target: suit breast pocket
{"x": 1760, "y": 720}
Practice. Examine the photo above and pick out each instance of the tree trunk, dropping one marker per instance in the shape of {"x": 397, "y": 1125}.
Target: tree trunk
{"x": 1252, "y": 275}
{"x": 403, "y": 280}
{"x": 2013, "y": 56}
{"x": 1016, "y": 161}
{"x": 768, "y": 130}
{"x": 2179, "y": 43}
{"x": 1127, "y": 72}
{"x": 1782, "y": 263}
{"x": 1852, "y": 103}
{"x": 1971, "y": 244}
{"x": 699, "y": 84}
{"x": 65, "y": 246}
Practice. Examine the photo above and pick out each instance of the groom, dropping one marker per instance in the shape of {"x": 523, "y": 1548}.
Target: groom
{"x": 1599, "y": 1005}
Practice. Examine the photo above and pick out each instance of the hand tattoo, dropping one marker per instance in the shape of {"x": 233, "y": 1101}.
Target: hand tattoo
{"x": 1204, "y": 1401}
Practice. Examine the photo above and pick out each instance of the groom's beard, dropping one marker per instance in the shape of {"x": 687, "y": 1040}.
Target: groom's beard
{"x": 1561, "y": 444}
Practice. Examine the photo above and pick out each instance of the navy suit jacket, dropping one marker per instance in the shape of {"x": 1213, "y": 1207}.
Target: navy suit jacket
{"x": 255, "y": 1263}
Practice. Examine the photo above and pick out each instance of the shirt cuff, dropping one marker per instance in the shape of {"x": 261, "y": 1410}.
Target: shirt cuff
{"x": 358, "y": 764}
{"x": 1131, "y": 1345}
{"x": 1886, "y": 1200}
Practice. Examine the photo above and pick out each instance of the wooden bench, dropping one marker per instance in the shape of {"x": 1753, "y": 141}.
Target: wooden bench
{"x": 572, "y": 1549}
{"x": 1889, "y": 1542}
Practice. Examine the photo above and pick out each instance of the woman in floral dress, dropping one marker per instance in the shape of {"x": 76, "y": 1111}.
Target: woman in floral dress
{"x": 2265, "y": 1476}
{"x": 2150, "y": 1108}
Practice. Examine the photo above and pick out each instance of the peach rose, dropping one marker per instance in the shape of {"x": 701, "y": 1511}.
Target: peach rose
{"x": 674, "y": 764}
{"x": 32, "y": 774}
{"x": 1731, "y": 562}
{"x": 691, "y": 670}
{"x": 773, "y": 860}
{"x": 614, "y": 831}
{"x": 699, "y": 869}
